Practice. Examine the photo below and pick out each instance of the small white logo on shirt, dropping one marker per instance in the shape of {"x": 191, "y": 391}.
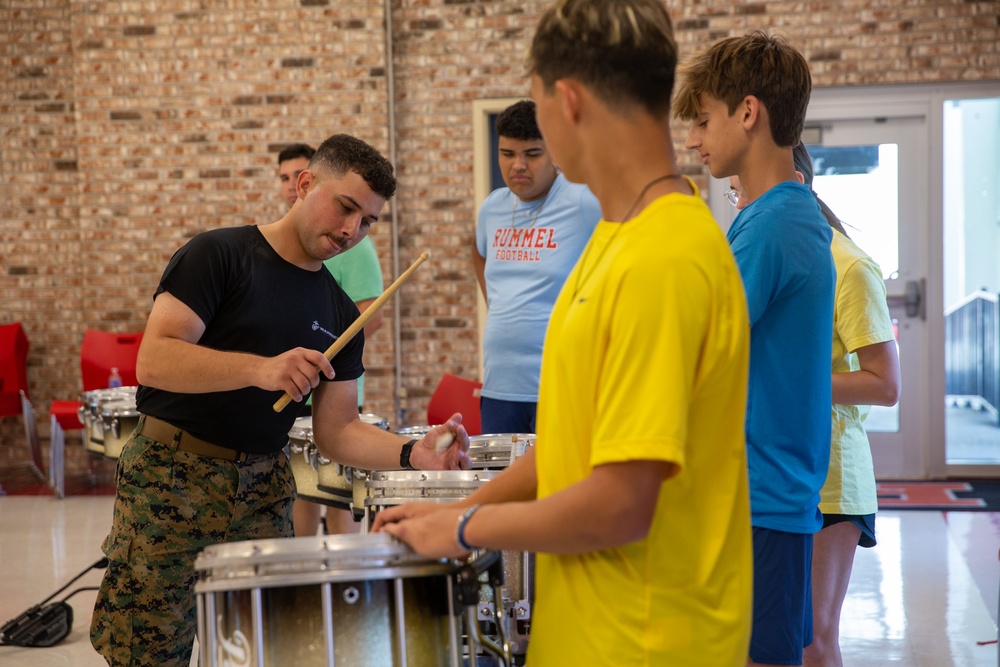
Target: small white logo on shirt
{"x": 317, "y": 327}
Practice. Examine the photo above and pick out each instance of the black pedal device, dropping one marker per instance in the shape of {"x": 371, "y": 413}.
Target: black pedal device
{"x": 44, "y": 624}
{"x": 39, "y": 626}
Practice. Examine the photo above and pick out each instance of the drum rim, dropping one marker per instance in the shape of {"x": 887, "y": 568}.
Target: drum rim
{"x": 324, "y": 558}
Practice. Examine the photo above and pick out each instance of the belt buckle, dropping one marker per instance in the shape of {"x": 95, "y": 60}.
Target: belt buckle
{"x": 242, "y": 457}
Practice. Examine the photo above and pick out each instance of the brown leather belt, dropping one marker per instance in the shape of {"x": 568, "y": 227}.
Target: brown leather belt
{"x": 161, "y": 431}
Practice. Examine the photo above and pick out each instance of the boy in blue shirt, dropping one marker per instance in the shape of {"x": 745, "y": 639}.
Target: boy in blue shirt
{"x": 746, "y": 98}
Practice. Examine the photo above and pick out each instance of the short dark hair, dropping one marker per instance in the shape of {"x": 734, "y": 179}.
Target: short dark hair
{"x": 292, "y": 151}
{"x": 342, "y": 153}
{"x": 758, "y": 64}
{"x": 518, "y": 122}
{"x": 623, "y": 50}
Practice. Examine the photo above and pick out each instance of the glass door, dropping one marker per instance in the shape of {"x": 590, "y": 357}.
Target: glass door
{"x": 870, "y": 172}
{"x": 971, "y": 176}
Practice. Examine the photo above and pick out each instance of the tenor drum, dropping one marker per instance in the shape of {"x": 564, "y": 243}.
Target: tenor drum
{"x": 496, "y": 451}
{"x": 338, "y": 480}
{"x": 91, "y": 414}
{"x": 306, "y": 462}
{"x": 416, "y": 432}
{"x": 358, "y": 600}
{"x": 118, "y": 418}
{"x": 395, "y": 487}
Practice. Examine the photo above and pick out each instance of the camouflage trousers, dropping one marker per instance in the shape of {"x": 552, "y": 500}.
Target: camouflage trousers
{"x": 170, "y": 505}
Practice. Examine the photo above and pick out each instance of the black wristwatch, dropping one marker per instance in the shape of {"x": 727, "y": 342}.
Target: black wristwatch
{"x": 404, "y": 455}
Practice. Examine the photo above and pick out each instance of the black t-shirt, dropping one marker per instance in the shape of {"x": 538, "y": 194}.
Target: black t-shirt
{"x": 251, "y": 300}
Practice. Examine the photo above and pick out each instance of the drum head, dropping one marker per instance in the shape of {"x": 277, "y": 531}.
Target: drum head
{"x": 375, "y": 420}
{"x": 306, "y": 560}
{"x": 414, "y": 431}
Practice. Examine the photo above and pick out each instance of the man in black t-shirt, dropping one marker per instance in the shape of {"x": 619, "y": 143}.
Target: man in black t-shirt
{"x": 241, "y": 315}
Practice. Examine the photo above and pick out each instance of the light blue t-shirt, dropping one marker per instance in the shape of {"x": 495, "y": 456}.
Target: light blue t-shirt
{"x": 781, "y": 243}
{"x": 527, "y": 261}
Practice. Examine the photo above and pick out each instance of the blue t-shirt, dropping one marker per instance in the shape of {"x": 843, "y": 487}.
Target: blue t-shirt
{"x": 781, "y": 243}
{"x": 527, "y": 261}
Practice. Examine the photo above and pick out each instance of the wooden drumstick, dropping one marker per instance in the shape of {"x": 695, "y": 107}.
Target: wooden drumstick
{"x": 359, "y": 323}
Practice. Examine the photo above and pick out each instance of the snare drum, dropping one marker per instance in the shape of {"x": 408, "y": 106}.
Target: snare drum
{"x": 91, "y": 414}
{"x": 306, "y": 462}
{"x": 395, "y": 487}
{"x": 359, "y": 600}
{"x": 118, "y": 418}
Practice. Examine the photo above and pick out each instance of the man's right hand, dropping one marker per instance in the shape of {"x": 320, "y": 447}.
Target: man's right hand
{"x": 295, "y": 372}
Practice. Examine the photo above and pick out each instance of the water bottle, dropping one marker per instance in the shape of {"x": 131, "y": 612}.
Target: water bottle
{"x": 114, "y": 380}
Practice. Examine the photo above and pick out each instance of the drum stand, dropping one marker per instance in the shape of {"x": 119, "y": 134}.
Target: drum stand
{"x": 467, "y": 594}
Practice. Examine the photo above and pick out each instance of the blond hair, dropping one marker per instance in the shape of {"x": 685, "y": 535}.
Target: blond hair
{"x": 623, "y": 50}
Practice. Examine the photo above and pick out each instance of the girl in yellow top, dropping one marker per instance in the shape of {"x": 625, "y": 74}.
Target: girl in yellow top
{"x": 865, "y": 373}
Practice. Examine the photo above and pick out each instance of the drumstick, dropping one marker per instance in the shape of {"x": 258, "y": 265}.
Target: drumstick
{"x": 359, "y": 323}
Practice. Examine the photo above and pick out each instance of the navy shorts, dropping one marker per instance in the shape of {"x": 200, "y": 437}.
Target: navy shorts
{"x": 498, "y": 416}
{"x": 782, "y": 596}
{"x": 866, "y": 522}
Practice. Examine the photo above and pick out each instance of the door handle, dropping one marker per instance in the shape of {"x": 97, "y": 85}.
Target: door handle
{"x": 912, "y": 300}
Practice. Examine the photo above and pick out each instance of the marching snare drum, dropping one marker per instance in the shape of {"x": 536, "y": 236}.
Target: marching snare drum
{"x": 90, "y": 413}
{"x": 395, "y": 487}
{"x": 117, "y": 419}
{"x": 357, "y": 600}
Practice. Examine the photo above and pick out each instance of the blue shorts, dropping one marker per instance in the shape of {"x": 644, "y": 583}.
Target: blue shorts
{"x": 782, "y": 596}
{"x": 499, "y": 416}
{"x": 866, "y": 522}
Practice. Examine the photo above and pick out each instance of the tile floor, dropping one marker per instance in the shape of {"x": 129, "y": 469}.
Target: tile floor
{"x": 926, "y": 596}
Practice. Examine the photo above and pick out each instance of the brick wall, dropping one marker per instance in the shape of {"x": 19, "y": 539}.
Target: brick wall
{"x": 128, "y": 126}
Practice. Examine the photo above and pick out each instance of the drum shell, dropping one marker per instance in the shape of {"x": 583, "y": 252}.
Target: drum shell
{"x": 306, "y": 463}
{"x": 394, "y": 487}
{"x": 337, "y": 479}
{"x": 362, "y": 600}
{"x": 118, "y": 418}
{"x": 91, "y": 413}
{"x": 496, "y": 451}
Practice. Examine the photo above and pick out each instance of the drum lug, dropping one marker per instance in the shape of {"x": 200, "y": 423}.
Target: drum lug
{"x": 116, "y": 428}
{"x": 522, "y": 610}
{"x": 485, "y": 611}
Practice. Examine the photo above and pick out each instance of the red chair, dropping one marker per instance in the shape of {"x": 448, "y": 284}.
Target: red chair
{"x": 13, "y": 368}
{"x": 99, "y": 353}
{"x": 456, "y": 394}
{"x": 31, "y": 435}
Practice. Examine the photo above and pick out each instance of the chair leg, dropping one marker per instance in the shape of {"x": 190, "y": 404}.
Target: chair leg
{"x": 57, "y": 451}
{"x": 91, "y": 472}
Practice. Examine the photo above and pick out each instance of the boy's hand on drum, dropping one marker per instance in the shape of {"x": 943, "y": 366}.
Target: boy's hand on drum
{"x": 398, "y": 513}
{"x": 444, "y": 447}
{"x": 430, "y": 532}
